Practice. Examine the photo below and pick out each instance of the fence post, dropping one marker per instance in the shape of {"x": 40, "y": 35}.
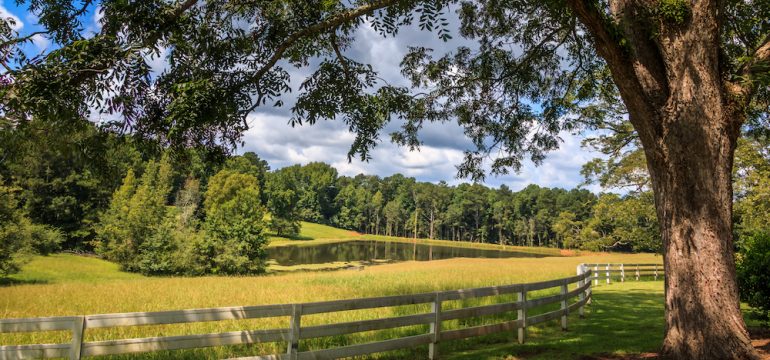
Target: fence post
{"x": 581, "y": 270}
{"x": 607, "y": 272}
{"x": 595, "y": 274}
{"x": 522, "y": 316}
{"x": 590, "y": 291}
{"x": 294, "y": 331}
{"x": 435, "y": 327}
{"x": 622, "y": 273}
{"x": 656, "y": 272}
{"x": 77, "y": 337}
{"x": 564, "y": 307}
{"x": 637, "y": 272}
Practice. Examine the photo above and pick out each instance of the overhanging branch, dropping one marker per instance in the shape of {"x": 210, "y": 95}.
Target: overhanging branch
{"x": 325, "y": 25}
{"x": 621, "y": 64}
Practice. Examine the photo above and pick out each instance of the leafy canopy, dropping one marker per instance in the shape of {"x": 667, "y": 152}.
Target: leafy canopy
{"x": 530, "y": 72}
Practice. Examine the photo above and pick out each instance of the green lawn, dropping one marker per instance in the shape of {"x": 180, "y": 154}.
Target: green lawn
{"x": 66, "y": 268}
{"x": 624, "y": 318}
{"x": 311, "y": 231}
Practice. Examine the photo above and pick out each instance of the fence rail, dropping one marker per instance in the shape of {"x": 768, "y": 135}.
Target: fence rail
{"x": 294, "y": 332}
{"x": 622, "y": 272}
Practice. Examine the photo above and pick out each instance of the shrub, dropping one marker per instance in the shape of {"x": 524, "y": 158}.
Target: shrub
{"x": 753, "y": 268}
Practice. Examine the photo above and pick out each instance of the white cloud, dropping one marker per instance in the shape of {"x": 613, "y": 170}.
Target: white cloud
{"x": 31, "y": 18}
{"x": 158, "y": 62}
{"x": 4, "y": 13}
{"x": 274, "y": 140}
{"x": 41, "y": 42}
{"x": 98, "y": 15}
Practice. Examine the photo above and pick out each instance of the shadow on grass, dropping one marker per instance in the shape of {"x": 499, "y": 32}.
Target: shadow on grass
{"x": 299, "y": 237}
{"x": 11, "y": 281}
{"x": 291, "y": 237}
{"x": 618, "y": 321}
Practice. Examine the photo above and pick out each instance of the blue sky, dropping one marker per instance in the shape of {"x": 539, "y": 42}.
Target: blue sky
{"x": 271, "y": 136}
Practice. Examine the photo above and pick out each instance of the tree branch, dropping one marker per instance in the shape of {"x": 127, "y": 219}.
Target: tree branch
{"x": 28, "y": 37}
{"x": 340, "y": 57}
{"x": 21, "y": 39}
{"x": 594, "y": 21}
{"x": 322, "y": 26}
{"x": 621, "y": 65}
{"x": 758, "y": 65}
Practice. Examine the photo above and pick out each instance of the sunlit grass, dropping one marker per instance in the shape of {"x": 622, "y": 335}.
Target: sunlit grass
{"x": 61, "y": 268}
{"x": 311, "y": 231}
{"x": 82, "y": 285}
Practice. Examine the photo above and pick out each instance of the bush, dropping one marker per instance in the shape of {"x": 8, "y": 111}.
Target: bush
{"x": 158, "y": 254}
{"x": 753, "y": 266}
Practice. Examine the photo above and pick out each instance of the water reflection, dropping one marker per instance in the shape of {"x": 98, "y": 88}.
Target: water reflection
{"x": 376, "y": 251}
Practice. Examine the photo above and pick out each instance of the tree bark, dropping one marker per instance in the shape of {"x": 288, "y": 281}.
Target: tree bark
{"x": 693, "y": 194}
{"x": 688, "y": 119}
{"x": 691, "y": 170}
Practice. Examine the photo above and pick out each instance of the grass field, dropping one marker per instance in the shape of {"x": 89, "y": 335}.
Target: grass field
{"x": 68, "y": 284}
{"x": 313, "y": 233}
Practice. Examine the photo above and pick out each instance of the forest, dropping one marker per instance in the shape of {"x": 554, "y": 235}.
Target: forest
{"x": 161, "y": 210}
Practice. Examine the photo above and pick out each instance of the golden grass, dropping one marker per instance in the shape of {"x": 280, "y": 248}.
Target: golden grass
{"x": 72, "y": 296}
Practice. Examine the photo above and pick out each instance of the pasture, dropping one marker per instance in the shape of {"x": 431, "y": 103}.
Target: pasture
{"x": 69, "y": 285}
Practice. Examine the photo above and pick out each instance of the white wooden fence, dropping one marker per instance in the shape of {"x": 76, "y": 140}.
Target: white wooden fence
{"x": 623, "y": 272}
{"x": 295, "y": 332}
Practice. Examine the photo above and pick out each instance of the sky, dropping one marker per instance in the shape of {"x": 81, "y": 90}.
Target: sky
{"x": 273, "y": 139}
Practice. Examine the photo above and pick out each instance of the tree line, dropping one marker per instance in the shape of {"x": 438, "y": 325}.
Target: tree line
{"x": 85, "y": 189}
{"x": 156, "y": 210}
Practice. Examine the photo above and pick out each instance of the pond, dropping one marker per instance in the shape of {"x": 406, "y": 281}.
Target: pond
{"x": 379, "y": 251}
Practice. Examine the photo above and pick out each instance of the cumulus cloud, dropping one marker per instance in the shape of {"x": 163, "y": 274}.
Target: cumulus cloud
{"x": 158, "y": 62}
{"x": 17, "y": 24}
{"x": 271, "y": 136}
{"x": 281, "y": 145}
{"x": 41, "y": 42}
{"x": 560, "y": 169}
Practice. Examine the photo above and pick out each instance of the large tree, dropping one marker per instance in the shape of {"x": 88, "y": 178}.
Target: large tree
{"x": 686, "y": 74}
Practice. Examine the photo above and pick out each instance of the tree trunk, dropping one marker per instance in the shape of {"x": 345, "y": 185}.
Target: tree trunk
{"x": 687, "y": 114}
{"x": 693, "y": 194}
{"x": 432, "y": 221}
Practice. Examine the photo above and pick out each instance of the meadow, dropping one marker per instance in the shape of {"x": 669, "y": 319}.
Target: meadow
{"x": 66, "y": 284}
